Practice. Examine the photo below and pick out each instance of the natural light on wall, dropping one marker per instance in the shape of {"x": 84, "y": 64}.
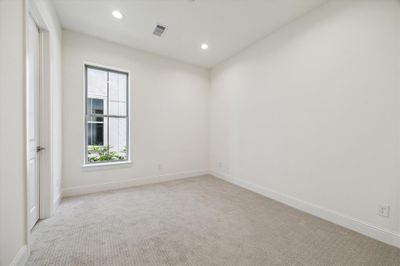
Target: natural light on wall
{"x": 107, "y": 120}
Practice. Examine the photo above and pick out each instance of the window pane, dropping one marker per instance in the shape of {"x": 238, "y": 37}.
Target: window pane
{"x": 97, "y": 88}
{"x": 118, "y": 91}
{"x": 118, "y": 137}
{"x": 95, "y": 106}
{"x": 95, "y": 133}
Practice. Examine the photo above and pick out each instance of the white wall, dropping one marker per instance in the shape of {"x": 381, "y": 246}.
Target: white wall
{"x": 13, "y": 240}
{"x": 168, "y": 114}
{"x": 310, "y": 115}
{"x": 12, "y": 140}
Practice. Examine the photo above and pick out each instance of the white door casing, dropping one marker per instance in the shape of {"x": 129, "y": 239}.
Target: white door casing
{"x": 33, "y": 85}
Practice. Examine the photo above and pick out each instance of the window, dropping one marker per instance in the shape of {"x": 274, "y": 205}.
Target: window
{"x": 107, "y": 118}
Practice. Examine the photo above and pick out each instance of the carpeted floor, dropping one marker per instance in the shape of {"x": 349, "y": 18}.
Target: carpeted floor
{"x": 196, "y": 221}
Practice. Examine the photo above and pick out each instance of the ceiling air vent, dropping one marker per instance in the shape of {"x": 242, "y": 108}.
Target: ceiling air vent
{"x": 159, "y": 30}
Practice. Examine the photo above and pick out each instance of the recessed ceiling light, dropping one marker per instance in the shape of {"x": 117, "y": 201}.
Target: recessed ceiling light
{"x": 204, "y": 46}
{"x": 117, "y": 14}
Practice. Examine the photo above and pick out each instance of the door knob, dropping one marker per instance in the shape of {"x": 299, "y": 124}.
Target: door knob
{"x": 39, "y": 148}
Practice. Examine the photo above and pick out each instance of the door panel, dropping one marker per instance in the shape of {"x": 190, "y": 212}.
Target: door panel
{"x": 33, "y": 84}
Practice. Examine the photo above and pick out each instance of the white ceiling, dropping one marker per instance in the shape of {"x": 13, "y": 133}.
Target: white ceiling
{"x": 228, "y": 26}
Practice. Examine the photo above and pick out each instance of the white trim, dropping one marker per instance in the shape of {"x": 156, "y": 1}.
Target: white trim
{"x": 362, "y": 227}
{"x": 82, "y": 190}
{"x": 45, "y": 175}
{"x": 108, "y": 164}
{"x": 25, "y": 69}
{"x": 45, "y": 157}
{"x": 45, "y": 179}
{"x": 57, "y": 202}
{"x": 21, "y": 257}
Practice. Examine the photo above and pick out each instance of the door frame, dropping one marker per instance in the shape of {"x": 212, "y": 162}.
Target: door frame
{"x": 45, "y": 180}
{"x": 33, "y": 122}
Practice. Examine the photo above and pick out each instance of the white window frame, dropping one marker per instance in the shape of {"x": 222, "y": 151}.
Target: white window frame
{"x": 86, "y": 162}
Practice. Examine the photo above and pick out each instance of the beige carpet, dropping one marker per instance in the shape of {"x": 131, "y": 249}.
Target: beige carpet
{"x": 197, "y": 221}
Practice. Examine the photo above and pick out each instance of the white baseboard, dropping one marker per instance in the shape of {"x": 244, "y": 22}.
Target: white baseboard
{"x": 21, "y": 257}
{"x": 57, "y": 201}
{"x": 82, "y": 190}
{"x": 376, "y": 232}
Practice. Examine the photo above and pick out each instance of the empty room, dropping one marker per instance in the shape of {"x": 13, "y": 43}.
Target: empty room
{"x": 199, "y": 132}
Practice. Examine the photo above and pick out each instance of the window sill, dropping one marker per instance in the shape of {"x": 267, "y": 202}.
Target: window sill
{"x": 107, "y": 165}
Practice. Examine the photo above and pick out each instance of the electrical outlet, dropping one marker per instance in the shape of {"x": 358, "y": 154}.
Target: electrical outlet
{"x": 384, "y": 210}
{"x": 160, "y": 167}
{"x": 220, "y": 165}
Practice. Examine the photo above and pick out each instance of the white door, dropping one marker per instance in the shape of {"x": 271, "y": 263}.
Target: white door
{"x": 32, "y": 98}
